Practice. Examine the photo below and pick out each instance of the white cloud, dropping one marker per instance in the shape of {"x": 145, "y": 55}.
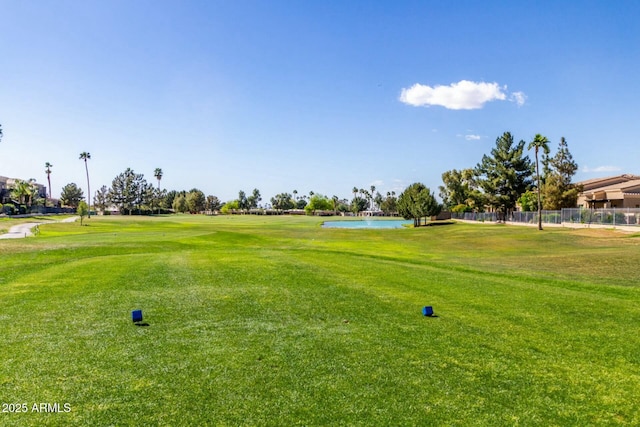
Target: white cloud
{"x": 597, "y": 169}
{"x": 519, "y": 98}
{"x": 464, "y": 95}
{"x": 469, "y": 136}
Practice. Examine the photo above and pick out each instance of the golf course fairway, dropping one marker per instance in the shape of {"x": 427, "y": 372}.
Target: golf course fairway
{"x": 256, "y": 320}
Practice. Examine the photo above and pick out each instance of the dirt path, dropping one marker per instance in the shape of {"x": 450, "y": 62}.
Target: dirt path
{"x": 23, "y": 230}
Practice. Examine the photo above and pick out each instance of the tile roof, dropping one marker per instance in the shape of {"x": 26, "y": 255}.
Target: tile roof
{"x": 632, "y": 186}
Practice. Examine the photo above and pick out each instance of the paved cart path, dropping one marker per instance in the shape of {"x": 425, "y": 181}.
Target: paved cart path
{"x": 23, "y": 230}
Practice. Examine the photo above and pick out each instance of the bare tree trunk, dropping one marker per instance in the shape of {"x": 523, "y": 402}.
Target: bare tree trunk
{"x": 49, "y": 179}
{"x": 539, "y": 204}
{"x": 86, "y": 167}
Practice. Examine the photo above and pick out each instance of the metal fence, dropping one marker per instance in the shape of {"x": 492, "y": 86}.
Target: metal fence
{"x": 611, "y": 216}
{"x": 475, "y": 216}
{"x": 548, "y": 217}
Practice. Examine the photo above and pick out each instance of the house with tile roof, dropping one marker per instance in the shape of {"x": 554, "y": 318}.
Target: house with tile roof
{"x": 620, "y": 191}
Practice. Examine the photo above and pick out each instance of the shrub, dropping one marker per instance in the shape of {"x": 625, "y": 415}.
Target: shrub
{"x": 230, "y": 207}
{"x": 620, "y": 218}
{"x": 585, "y": 216}
{"x": 462, "y": 208}
{"x": 552, "y": 218}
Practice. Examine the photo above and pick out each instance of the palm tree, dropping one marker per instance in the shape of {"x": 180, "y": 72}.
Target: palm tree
{"x": 25, "y": 192}
{"x": 48, "y": 172}
{"x": 86, "y": 156}
{"x": 20, "y": 191}
{"x": 32, "y": 190}
{"x": 158, "y": 174}
{"x": 539, "y": 142}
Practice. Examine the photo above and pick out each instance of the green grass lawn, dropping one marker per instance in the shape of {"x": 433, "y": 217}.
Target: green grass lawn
{"x": 277, "y": 321}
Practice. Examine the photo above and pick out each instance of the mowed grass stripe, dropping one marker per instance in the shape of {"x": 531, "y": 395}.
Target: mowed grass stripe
{"x": 286, "y": 324}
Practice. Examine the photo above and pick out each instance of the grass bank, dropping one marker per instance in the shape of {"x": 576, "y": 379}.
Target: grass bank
{"x": 6, "y": 222}
{"x": 276, "y": 321}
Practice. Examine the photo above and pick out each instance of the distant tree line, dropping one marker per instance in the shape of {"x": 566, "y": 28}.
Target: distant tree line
{"x": 131, "y": 194}
{"x": 501, "y": 181}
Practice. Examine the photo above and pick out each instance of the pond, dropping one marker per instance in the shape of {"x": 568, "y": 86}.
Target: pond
{"x": 368, "y": 223}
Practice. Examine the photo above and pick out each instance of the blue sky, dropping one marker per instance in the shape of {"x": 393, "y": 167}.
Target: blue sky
{"x": 311, "y": 95}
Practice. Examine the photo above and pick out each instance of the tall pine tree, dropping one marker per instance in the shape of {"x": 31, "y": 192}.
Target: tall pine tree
{"x": 505, "y": 174}
{"x": 558, "y": 190}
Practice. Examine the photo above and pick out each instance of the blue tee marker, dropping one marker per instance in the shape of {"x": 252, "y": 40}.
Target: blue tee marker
{"x": 427, "y": 310}
{"x": 136, "y": 316}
